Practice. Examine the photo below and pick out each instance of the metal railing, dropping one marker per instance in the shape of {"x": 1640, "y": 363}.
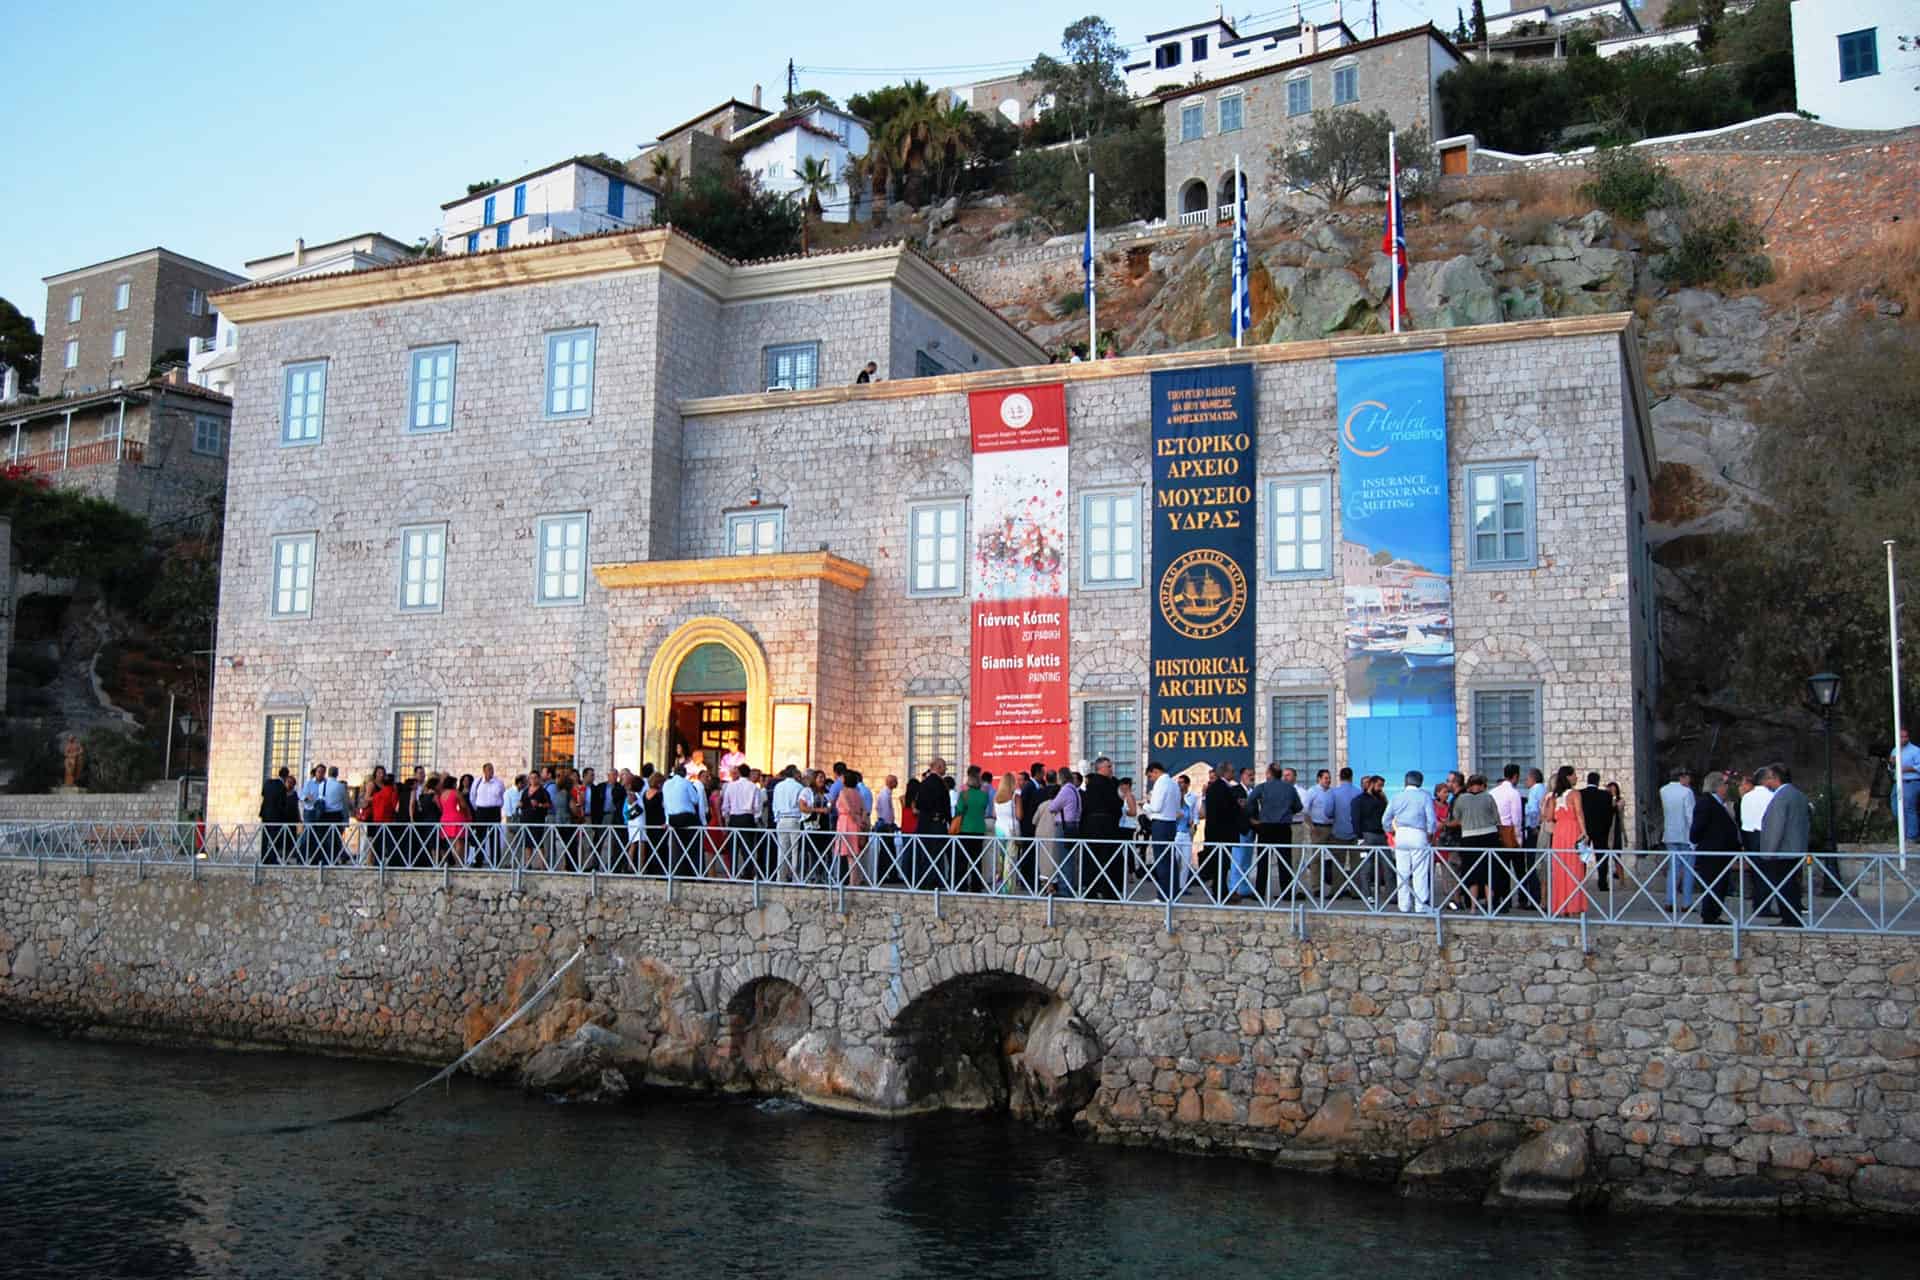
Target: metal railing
{"x": 1853, "y": 893}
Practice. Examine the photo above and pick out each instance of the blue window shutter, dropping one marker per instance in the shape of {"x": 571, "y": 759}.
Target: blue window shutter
{"x": 473, "y": 242}
{"x": 486, "y": 212}
{"x": 520, "y": 201}
{"x": 500, "y": 235}
{"x": 616, "y": 199}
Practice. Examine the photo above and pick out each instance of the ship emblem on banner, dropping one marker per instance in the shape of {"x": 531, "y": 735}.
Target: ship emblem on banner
{"x": 1018, "y": 577}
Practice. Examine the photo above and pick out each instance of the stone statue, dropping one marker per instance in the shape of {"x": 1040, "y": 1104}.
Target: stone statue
{"x": 76, "y": 758}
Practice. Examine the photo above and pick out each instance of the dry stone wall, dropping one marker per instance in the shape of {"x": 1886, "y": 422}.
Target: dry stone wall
{"x": 1655, "y": 1069}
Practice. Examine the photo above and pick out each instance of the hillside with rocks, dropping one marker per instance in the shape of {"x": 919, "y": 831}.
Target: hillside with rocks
{"x": 1845, "y": 258}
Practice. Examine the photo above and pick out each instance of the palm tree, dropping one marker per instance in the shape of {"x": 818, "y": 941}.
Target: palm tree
{"x": 858, "y": 173}
{"x": 815, "y": 177}
{"x": 903, "y": 140}
{"x": 665, "y": 170}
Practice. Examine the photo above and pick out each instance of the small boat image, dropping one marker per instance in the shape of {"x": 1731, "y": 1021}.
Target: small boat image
{"x": 1203, "y": 600}
{"x": 1421, "y": 650}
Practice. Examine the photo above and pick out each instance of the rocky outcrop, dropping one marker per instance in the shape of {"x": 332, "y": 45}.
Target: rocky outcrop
{"x": 1552, "y": 1170}
{"x": 1459, "y": 1166}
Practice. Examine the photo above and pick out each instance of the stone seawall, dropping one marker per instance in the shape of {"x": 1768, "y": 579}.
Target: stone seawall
{"x": 1502, "y": 1062}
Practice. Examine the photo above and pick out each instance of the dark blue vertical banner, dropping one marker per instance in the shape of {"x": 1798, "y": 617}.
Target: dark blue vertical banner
{"x": 1396, "y": 561}
{"x": 1204, "y": 525}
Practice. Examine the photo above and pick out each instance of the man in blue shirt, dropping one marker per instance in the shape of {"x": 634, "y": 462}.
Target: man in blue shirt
{"x": 1340, "y": 816}
{"x": 685, "y": 804}
{"x": 333, "y": 816}
{"x": 1906, "y": 762}
{"x": 1412, "y": 820}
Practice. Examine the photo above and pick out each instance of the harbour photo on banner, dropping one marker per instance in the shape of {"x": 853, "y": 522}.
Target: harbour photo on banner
{"x": 1396, "y": 562}
{"x": 1018, "y": 577}
{"x": 1202, "y": 637}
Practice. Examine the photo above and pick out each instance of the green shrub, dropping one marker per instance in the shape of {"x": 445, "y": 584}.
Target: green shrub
{"x": 117, "y": 761}
{"x": 1627, "y": 183}
{"x": 1718, "y": 245}
{"x": 1070, "y": 303}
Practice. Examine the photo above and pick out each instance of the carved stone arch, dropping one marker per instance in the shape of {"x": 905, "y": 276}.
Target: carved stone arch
{"x": 725, "y": 984}
{"x": 562, "y": 490}
{"x": 418, "y": 504}
{"x": 687, "y": 637}
{"x": 982, "y": 959}
{"x": 1505, "y": 656}
{"x": 1300, "y": 659}
{"x": 1109, "y": 669}
{"x": 293, "y": 513}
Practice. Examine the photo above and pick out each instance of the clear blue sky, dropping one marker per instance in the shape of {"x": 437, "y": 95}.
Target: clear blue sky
{"x": 222, "y": 131}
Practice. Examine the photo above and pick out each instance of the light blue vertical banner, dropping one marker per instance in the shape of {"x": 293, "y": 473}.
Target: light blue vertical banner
{"x": 1396, "y": 562}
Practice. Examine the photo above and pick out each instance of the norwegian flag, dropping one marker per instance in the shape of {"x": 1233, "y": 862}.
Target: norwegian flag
{"x": 1394, "y": 242}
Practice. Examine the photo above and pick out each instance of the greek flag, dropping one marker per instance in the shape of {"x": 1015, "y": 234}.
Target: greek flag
{"x": 1242, "y": 294}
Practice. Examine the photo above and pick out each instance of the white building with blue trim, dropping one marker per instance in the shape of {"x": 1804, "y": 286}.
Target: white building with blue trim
{"x": 575, "y": 197}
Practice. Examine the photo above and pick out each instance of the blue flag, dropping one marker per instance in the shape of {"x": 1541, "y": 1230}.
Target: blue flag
{"x": 1242, "y": 293}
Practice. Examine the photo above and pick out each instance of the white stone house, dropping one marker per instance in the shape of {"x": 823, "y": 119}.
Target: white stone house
{"x": 575, "y": 197}
{"x": 1848, "y": 67}
{"x": 211, "y": 361}
{"x": 1206, "y": 51}
{"x": 1616, "y": 15}
{"x": 775, "y": 148}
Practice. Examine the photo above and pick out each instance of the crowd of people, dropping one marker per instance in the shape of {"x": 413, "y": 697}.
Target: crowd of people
{"x": 1517, "y": 844}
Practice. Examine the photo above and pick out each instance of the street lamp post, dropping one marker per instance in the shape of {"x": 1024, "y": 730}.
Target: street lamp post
{"x": 187, "y": 725}
{"x": 1825, "y": 691}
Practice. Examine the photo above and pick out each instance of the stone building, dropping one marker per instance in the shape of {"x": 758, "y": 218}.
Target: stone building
{"x": 537, "y": 506}
{"x": 158, "y": 448}
{"x": 700, "y": 145}
{"x": 108, "y": 324}
{"x": 1249, "y": 114}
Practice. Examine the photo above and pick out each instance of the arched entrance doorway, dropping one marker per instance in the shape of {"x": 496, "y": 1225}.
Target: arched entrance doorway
{"x": 707, "y": 690}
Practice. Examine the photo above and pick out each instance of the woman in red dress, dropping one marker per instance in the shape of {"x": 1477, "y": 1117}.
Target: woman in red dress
{"x": 1566, "y": 869}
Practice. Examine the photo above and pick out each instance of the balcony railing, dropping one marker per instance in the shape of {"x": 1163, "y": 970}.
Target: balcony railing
{"x": 1197, "y": 218}
{"x": 96, "y": 453}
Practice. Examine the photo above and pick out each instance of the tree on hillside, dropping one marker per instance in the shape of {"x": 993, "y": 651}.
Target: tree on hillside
{"x": 19, "y": 345}
{"x": 664, "y": 171}
{"x": 1459, "y": 25}
{"x": 1479, "y": 21}
{"x": 64, "y": 534}
{"x": 1757, "y": 44}
{"x": 883, "y": 104}
{"x": 1342, "y": 151}
{"x": 730, "y": 213}
{"x": 1088, "y": 92}
{"x": 812, "y": 98}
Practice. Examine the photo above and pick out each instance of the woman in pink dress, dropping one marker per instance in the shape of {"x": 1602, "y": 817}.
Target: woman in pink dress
{"x": 454, "y": 816}
{"x": 850, "y": 820}
{"x": 1566, "y": 869}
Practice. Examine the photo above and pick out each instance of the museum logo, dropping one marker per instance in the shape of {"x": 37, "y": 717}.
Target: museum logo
{"x": 1202, "y": 594}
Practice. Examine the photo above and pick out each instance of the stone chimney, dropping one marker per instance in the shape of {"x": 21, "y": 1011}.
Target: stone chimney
{"x": 756, "y": 95}
{"x": 299, "y": 251}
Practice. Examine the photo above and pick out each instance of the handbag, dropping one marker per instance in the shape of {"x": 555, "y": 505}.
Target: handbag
{"x": 953, "y": 827}
{"x": 1509, "y": 838}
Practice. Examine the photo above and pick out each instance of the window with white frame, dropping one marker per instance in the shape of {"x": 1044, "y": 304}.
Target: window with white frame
{"x": 1110, "y": 538}
{"x": 1302, "y": 732}
{"x": 793, "y": 366}
{"x": 286, "y": 744}
{"x": 1231, "y": 116}
{"x": 1300, "y": 96}
{"x": 561, "y": 573}
{"x": 1346, "y": 85}
{"x": 1500, "y": 516}
{"x": 423, "y": 567}
{"x": 303, "y": 402}
{"x": 119, "y": 344}
{"x": 432, "y": 380}
{"x": 293, "y": 575}
{"x": 1193, "y": 121}
{"x": 122, "y": 295}
{"x": 570, "y": 373}
{"x": 756, "y": 533}
{"x": 934, "y": 559}
{"x": 196, "y": 302}
{"x": 1299, "y": 530}
{"x": 933, "y": 733}
{"x": 209, "y": 435}
{"x": 73, "y": 352}
{"x": 1506, "y": 729}
{"x": 1113, "y": 730}
{"x": 73, "y": 308}
{"x": 413, "y": 740}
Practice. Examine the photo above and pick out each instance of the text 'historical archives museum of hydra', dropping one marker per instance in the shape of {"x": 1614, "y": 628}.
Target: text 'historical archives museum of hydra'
{"x": 598, "y": 500}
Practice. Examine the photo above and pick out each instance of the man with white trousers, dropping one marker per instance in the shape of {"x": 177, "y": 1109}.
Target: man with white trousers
{"x": 1413, "y": 822}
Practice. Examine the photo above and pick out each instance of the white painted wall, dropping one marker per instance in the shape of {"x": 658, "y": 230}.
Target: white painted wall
{"x": 1502, "y": 24}
{"x": 1225, "y": 60}
{"x": 570, "y": 201}
{"x": 1884, "y": 101}
{"x": 775, "y": 163}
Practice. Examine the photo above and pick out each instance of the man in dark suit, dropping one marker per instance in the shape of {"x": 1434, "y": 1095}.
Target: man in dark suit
{"x": 278, "y": 806}
{"x": 1100, "y": 809}
{"x": 933, "y": 804}
{"x": 1222, "y": 809}
{"x": 1033, "y": 794}
{"x": 1715, "y": 837}
{"x": 1785, "y": 834}
{"x": 1596, "y": 806}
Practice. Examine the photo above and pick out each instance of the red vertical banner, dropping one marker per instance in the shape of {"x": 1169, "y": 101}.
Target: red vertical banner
{"x": 1019, "y": 687}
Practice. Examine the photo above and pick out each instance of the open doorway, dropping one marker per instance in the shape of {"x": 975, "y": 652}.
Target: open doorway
{"x": 709, "y": 713}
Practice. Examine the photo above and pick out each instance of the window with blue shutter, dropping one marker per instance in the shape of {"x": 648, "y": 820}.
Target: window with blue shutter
{"x": 520, "y": 201}
{"x": 616, "y": 199}
{"x": 486, "y": 213}
{"x": 473, "y": 242}
{"x": 500, "y": 235}
{"x": 1299, "y": 96}
{"x": 1859, "y": 54}
{"x": 1346, "y": 85}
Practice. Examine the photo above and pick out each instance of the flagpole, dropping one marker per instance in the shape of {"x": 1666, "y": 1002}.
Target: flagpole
{"x": 1393, "y": 224}
{"x": 1093, "y": 300}
{"x": 1239, "y": 271}
{"x": 1893, "y": 643}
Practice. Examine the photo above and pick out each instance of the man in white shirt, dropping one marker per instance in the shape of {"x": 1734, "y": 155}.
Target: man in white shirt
{"x": 740, "y": 810}
{"x": 1412, "y": 819}
{"x": 1753, "y": 812}
{"x": 1163, "y": 819}
{"x": 488, "y": 797}
{"x": 1676, "y": 833}
{"x": 1512, "y": 807}
{"x": 791, "y": 805}
{"x": 1906, "y": 792}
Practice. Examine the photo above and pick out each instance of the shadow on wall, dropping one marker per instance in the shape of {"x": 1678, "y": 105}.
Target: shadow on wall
{"x": 998, "y": 1042}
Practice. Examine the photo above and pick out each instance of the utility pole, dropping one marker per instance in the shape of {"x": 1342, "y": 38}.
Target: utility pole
{"x": 1376, "y": 19}
{"x": 790, "y": 89}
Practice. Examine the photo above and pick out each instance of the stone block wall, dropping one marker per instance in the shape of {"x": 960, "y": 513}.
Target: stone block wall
{"x": 1784, "y": 1080}
{"x": 162, "y": 804}
{"x": 849, "y": 324}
